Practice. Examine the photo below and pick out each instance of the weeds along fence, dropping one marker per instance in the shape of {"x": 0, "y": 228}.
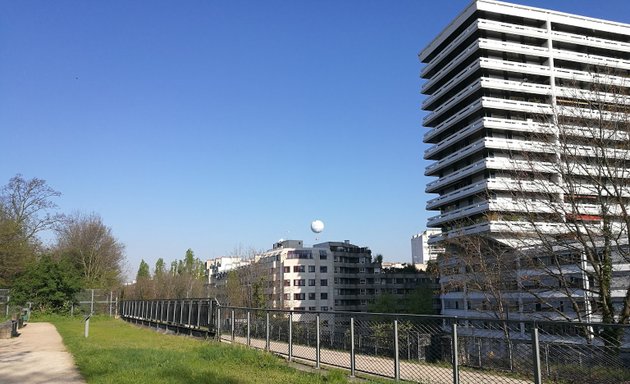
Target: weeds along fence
{"x": 425, "y": 349}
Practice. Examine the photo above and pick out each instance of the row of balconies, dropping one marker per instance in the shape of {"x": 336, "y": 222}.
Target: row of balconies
{"x": 490, "y": 143}
{"x": 489, "y": 83}
{"x": 485, "y": 122}
{"x": 490, "y": 163}
{"x": 488, "y": 102}
{"x": 497, "y": 184}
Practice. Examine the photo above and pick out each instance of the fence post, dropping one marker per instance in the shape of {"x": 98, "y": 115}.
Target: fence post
{"x": 199, "y": 314}
{"x": 218, "y": 332}
{"x": 317, "y": 344}
{"x": 92, "y": 303}
{"x": 248, "y": 329}
{"x": 267, "y": 333}
{"x": 396, "y": 352}
{"x": 536, "y": 355}
{"x": 111, "y": 298}
{"x": 7, "y": 306}
{"x": 454, "y": 353}
{"x": 190, "y": 305}
{"x": 232, "y": 327}
{"x": 290, "y": 335}
{"x": 352, "y": 353}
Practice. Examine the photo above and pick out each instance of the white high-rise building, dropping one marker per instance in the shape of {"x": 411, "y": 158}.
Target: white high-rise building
{"x": 497, "y": 79}
{"x": 421, "y": 250}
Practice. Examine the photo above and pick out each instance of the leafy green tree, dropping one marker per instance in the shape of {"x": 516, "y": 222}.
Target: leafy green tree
{"x": 143, "y": 271}
{"x": 50, "y": 285}
{"x": 159, "y": 268}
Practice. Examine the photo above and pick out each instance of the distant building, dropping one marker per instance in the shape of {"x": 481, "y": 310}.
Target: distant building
{"x": 330, "y": 276}
{"x": 421, "y": 250}
{"x": 217, "y": 268}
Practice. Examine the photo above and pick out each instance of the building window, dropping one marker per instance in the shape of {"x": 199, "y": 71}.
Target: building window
{"x": 323, "y": 269}
{"x": 323, "y": 282}
{"x": 311, "y": 282}
{"x": 312, "y": 308}
{"x": 287, "y": 283}
{"x": 299, "y": 283}
{"x": 311, "y": 296}
{"x": 299, "y": 268}
{"x": 287, "y": 269}
{"x": 287, "y": 296}
{"x": 323, "y": 255}
{"x": 311, "y": 268}
{"x": 298, "y": 308}
{"x": 299, "y": 296}
{"x": 324, "y": 309}
{"x": 324, "y": 296}
{"x": 362, "y": 281}
{"x": 361, "y": 270}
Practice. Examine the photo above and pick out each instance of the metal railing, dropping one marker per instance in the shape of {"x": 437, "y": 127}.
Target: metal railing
{"x": 419, "y": 348}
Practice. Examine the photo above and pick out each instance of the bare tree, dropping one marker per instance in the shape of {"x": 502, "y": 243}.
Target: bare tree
{"x": 29, "y": 204}
{"x": 93, "y": 249}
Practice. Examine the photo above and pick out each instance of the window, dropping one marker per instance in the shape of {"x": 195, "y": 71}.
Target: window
{"x": 298, "y": 268}
{"x": 287, "y": 296}
{"x": 323, "y": 255}
{"x": 323, "y": 282}
{"x": 323, "y": 269}
{"x": 298, "y": 308}
{"x": 299, "y": 282}
{"x": 312, "y": 308}
{"x": 362, "y": 281}
{"x": 311, "y": 296}
{"x": 299, "y": 254}
{"x": 287, "y": 269}
{"x": 324, "y": 309}
{"x": 311, "y": 268}
{"x": 311, "y": 282}
{"x": 299, "y": 296}
{"x": 324, "y": 296}
{"x": 287, "y": 283}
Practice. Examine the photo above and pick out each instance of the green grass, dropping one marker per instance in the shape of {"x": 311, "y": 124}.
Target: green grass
{"x": 117, "y": 352}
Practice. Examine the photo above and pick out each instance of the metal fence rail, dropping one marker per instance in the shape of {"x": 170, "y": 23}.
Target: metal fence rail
{"x": 425, "y": 349}
{"x": 192, "y": 316}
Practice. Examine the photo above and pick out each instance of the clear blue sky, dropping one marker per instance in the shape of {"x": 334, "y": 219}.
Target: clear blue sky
{"x": 213, "y": 124}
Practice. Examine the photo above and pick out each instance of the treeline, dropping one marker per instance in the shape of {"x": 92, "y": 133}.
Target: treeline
{"x": 184, "y": 278}
{"x": 82, "y": 252}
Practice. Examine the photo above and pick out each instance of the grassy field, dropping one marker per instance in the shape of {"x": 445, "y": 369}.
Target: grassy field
{"x": 117, "y": 352}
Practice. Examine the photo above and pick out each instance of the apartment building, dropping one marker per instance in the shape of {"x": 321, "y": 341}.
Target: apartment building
{"x": 329, "y": 276}
{"x": 421, "y": 251}
{"x": 516, "y": 97}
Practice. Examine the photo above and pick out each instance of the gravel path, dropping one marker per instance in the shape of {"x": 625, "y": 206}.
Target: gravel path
{"x": 37, "y": 356}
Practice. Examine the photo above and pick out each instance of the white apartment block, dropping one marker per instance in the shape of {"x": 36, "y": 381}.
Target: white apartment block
{"x": 421, "y": 251}
{"x": 221, "y": 265}
{"x": 495, "y": 79}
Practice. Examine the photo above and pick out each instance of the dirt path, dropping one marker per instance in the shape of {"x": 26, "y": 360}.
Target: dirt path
{"x": 37, "y": 356}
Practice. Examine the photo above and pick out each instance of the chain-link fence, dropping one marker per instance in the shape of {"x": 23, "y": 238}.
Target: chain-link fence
{"x": 425, "y": 349}
{"x": 94, "y": 301}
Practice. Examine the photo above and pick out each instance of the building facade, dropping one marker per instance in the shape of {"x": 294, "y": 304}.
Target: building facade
{"x": 421, "y": 251}
{"x": 330, "y": 276}
{"x": 516, "y": 97}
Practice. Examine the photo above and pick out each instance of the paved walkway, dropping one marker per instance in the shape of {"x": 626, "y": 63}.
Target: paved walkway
{"x": 37, "y": 356}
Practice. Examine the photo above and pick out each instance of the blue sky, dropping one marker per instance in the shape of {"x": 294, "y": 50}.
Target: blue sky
{"x": 216, "y": 124}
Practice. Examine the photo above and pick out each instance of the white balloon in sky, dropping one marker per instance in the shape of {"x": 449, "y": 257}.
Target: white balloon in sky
{"x": 317, "y": 226}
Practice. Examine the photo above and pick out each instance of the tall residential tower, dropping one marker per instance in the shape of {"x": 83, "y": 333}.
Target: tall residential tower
{"x": 524, "y": 105}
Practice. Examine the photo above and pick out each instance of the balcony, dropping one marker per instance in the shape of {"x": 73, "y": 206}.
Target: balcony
{"x": 514, "y": 29}
{"x": 449, "y": 48}
{"x": 491, "y": 83}
{"x": 522, "y": 49}
{"x": 449, "y": 84}
{"x": 452, "y": 64}
{"x": 591, "y": 59}
{"x": 500, "y": 205}
{"x": 590, "y": 41}
{"x": 490, "y": 163}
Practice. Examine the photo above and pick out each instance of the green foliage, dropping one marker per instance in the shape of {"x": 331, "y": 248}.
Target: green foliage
{"x": 143, "y": 271}
{"x": 15, "y": 251}
{"x": 159, "y": 268}
{"x": 117, "y": 352}
{"x": 420, "y": 302}
{"x": 49, "y": 284}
